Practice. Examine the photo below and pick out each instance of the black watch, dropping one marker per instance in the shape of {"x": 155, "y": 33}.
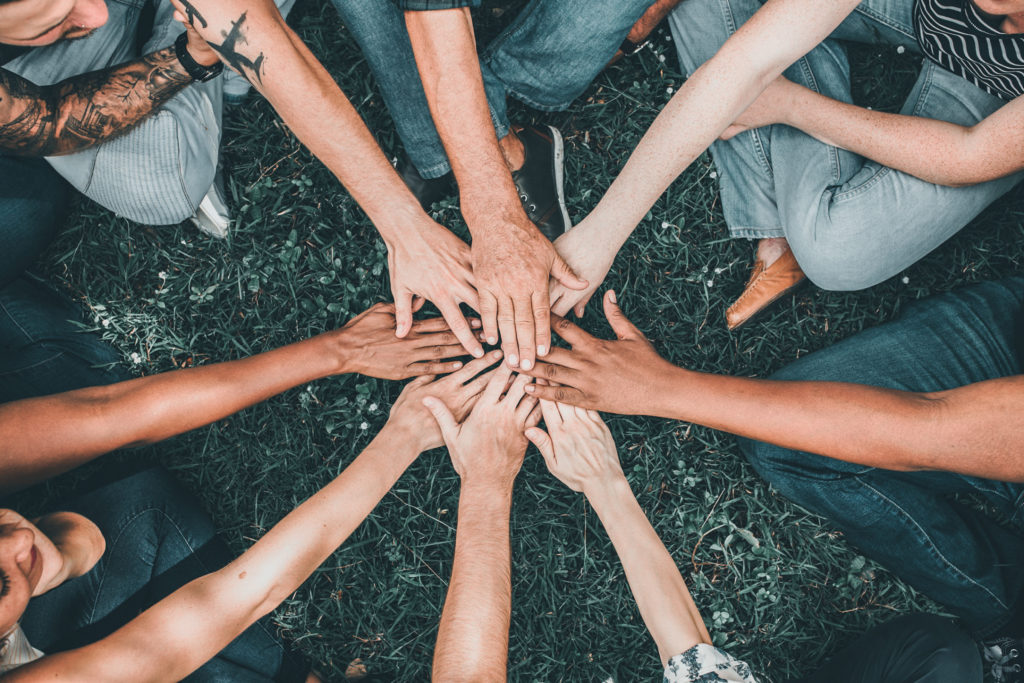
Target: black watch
{"x": 197, "y": 71}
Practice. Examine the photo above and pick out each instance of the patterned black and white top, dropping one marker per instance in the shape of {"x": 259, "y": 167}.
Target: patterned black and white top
{"x": 958, "y": 37}
{"x": 707, "y": 664}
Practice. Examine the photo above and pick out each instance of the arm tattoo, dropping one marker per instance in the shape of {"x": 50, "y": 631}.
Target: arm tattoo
{"x": 84, "y": 110}
{"x": 192, "y": 15}
{"x": 251, "y": 69}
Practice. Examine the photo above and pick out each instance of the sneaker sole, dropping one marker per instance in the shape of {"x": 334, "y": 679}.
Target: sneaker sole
{"x": 556, "y": 138}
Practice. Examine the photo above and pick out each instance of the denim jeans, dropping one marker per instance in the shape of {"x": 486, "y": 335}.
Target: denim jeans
{"x": 41, "y": 350}
{"x": 915, "y": 648}
{"x": 851, "y": 222}
{"x": 545, "y": 58}
{"x": 158, "y": 539}
{"x": 908, "y": 521}
{"x": 159, "y": 172}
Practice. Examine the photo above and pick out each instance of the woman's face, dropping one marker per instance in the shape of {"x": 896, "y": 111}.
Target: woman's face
{"x": 28, "y": 563}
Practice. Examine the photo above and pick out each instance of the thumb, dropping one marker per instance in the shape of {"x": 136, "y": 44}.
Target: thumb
{"x": 561, "y": 271}
{"x": 539, "y": 438}
{"x": 620, "y": 324}
{"x": 444, "y": 417}
{"x": 403, "y": 313}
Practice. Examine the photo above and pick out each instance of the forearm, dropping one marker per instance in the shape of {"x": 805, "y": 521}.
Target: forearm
{"x": 661, "y": 594}
{"x": 973, "y": 430}
{"x": 85, "y": 110}
{"x": 472, "y": 638}
{"x": 52, "y": 434}
{"x": 932, "y": 150}
{"x": 201, "y": 618}
{"x": 445, "y": 50}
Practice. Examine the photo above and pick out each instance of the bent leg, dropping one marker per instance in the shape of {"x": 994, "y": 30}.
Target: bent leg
{"x": 33, "y": 200}
{"x": 917, "y": 648}
{"x": 905, "y": 520}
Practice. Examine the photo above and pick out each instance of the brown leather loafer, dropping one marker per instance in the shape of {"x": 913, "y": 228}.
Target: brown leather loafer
{"x": 764, "y": 286}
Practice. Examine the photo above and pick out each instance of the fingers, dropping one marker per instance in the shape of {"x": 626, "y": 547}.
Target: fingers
{"x": 553, "y": 373}
{"x": 559, "y": 394}
{"x": 461, "y": 329}
{"x": 489, "y": 317}
{"x": 475, "y": 367}
{"x": 525, "y": 335}
{"x": 434, "y": 367}
{"x": 580, "y": 308}
{"x": 539, "y": 438}
{"x": 526, "y": 409}
{"x": 496, "y": 383}
{"x": 561, "y": 271}
{"x": 444, "y": 417}
{"x": 403, "y": 313}
{"x": 507, "y": 330}
{"x": 533, "y": 419}
{"x": 552, "y": 418}
{"x": 517, "y": 390}
{"x": 620, "y": 324}
{"x": 541, "y": 323}
{"x": 569, "y": 331}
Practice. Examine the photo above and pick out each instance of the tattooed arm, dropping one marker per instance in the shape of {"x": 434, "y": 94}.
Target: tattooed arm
{"x": 84, "y": 110}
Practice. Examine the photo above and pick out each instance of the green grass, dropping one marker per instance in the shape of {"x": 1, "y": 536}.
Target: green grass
{"x": 778, "y": 586}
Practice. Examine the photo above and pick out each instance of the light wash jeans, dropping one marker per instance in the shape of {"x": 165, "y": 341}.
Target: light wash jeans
{"x": 851, "y": 222}
{"x": 545, "y": 58}
{"x": 907, "y": 521}
{"x": 158, "y": 172}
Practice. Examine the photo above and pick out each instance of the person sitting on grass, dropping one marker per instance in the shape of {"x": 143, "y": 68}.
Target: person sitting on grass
{"x": 128, "y": 582}
{"x": 579, "y": 450}
{"x": 875, "y": 192}
{"x": 875, "y": 433}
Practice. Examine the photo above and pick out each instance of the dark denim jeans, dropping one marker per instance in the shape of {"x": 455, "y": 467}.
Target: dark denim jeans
{"x": 545, "y": 58}
{"x": 908, "y": 521}
{"x": 41, "y": 350}
{"x": 916, "y": 648}
{"x": 158, "y": 539}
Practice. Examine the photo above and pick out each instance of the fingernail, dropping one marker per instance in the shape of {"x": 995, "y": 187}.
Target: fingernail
{"x": 530, "y": 388}
{"x": 474, "y": 323}
{"x": 527, "y": 364}
{"x": 492, "y": 340}
{"x": 457, "y": 364}
{"x": 496, "y": 353}
{"x": 513, "y": 360}
{"x": 542, "y": 350}
{"x": 478, "y": 353}
{"x": 611, "y": 296}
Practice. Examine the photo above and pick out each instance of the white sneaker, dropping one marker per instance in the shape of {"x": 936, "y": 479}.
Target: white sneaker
{"x": 212, "y": 217}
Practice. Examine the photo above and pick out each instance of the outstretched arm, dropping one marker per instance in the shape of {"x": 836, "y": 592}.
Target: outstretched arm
{"x": 972, "y": 430}
{"x": 201, "y": 618}
{"x": 579, "y": 450}
{"x": 936, "y": 151}
{"x": 487, "y": 451}
{"x": 45, "y": 436}
{"x": 84, "y": 110}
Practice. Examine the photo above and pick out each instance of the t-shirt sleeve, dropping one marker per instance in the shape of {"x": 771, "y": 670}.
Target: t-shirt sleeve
{"x": 706, "y": 664}
{"x": 421, "y": 5}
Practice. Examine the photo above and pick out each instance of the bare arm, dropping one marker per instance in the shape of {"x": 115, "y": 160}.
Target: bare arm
{"x": 972, "y": 430}
{"x": 512, "y": 260}
{"x": 84, "y": 110}
{"x": 45, "y": 436}
{"x": 936, "y": 151}
{"x": 578, "y": 449}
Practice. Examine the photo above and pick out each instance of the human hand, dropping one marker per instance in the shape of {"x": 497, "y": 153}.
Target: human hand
{"x": 771, "y": 106}
{"x": 619, "y": 376}
{"x": 430, "y": 262}
{"x": 458, "y": 391}
{"x": 198, "y": 48}
{"x": 367, "y": 344}
{"x": 512, "y": 264}
{"x": 577, "y": 448}
{"x": 587, "y": 256}
{"x": 488, "y": 446}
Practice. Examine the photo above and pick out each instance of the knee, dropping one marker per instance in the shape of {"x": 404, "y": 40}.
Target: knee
{"x": 835, "y": 264}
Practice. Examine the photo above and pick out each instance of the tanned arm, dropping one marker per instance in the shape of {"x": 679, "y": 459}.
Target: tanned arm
{"x": 45, "y": 436}
{"x": 88, "y": 109}
{"x": 972, "y": 430}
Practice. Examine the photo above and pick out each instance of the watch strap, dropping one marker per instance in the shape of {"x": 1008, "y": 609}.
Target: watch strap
{"x": 197, "y": 71}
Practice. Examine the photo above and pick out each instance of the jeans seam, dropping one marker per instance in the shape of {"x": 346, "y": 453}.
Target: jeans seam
{"x": 952, "y": 568}
{"x": 34, "y": 365}
{"x": 885, "y": 21}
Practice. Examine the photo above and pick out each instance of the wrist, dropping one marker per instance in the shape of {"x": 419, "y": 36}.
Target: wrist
{"x": 667, "y": 395}
{"x": 486, "y": 492}
{"x": 604, "y": 493}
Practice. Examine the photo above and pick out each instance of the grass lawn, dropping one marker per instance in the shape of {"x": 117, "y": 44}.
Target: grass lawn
{"x": 776, "y": 585}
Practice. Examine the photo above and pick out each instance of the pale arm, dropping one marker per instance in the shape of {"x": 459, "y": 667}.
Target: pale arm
{"x": 936, "y": 151}
{"x": 472, "y": 638}
{"x": 181, "y": 632}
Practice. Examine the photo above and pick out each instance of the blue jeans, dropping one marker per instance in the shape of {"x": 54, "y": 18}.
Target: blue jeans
{"x": 41, "y": 349}
{"x": 908, "y": 521}
{"x": 851, "y": 222}
{"x": 158, "y": 539}
{"x": 545, "y": 58}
